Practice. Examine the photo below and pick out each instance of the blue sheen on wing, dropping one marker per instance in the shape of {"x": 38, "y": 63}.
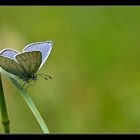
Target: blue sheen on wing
{"x": 44, "y": 47}
{"x": 9, "y": 53}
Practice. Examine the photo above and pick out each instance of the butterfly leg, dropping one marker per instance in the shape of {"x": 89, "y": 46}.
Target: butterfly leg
{"x": 27, "y": 87}
{"x": 32, "y": 82}
{"x": 24, "y": 85}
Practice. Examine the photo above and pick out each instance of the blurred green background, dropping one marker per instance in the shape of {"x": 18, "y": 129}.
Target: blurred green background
{"x": 95, "y": 65}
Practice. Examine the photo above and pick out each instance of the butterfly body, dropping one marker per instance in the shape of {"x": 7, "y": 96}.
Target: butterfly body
{"x": 27, "y": 78}
{"x": 25, "y": 64}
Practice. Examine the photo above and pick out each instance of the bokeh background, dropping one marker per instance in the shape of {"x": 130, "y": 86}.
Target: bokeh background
{"x": 94, "y": 63}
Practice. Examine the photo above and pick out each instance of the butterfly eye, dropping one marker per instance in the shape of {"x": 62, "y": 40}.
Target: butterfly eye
{"x": 34, "y": 77}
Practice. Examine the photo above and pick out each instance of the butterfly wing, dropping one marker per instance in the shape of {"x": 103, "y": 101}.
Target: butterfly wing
{"x": 30, "y": 61}
{"x": 10, "y": 53}
{"x": 11, "y": 66}
{"x": 44, "y": 47}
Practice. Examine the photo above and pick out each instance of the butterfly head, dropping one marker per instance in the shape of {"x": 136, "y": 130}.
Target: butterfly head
{"x": 34, "y": 77}
{"x": 29, "y": 78}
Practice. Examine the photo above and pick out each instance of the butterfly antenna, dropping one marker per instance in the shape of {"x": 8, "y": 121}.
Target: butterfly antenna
{"x": 44, "y": 76}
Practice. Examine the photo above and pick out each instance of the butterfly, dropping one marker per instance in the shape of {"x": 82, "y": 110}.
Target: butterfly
{"x": 26, "y": 64}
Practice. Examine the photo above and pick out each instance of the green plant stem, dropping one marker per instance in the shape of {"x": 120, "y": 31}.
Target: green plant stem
{"x": 31, "y": 105}
{"x": 4, "y": 114}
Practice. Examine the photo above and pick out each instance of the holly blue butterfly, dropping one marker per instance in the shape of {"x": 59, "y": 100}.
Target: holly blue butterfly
{"x": 26, "y": 64}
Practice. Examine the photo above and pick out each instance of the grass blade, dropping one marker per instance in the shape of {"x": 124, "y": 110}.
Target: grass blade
{"x": 3, "y": 109}
{"x": 31, "y": 105}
